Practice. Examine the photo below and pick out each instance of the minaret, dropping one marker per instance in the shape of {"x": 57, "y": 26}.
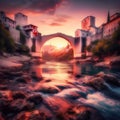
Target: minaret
{"x": 108, "y": 17}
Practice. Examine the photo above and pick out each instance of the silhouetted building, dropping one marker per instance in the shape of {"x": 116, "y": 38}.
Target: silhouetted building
{"x": 21, "y": 19}
{"x": 88, "y": 22}
{"x": 90, "y": 32}
{"x": 10, "y": 25}
{"x": 8, "y": 22}
{"x": 111, "y": 26}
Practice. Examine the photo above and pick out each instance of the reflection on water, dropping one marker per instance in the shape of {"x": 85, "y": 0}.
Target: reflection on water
{"x": 62, "y": 70}
{"x": 62, "y": 80}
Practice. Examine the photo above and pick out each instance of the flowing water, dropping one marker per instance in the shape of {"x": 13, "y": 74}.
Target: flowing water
{"x": 65, "y": 81}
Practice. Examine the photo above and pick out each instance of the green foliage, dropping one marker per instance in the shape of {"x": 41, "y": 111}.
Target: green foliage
{"x": 7, "y": 43}
{"x": 106, "y": 47}
{"x": 22, "y": 49}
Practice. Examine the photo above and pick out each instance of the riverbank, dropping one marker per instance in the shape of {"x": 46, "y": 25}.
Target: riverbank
{"x": 112, "y": 62}
{"x": 13, "y": 61}
{"x": 26, "y": 96}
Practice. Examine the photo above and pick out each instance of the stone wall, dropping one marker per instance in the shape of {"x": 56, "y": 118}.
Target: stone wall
{"x": 15, "y": 34}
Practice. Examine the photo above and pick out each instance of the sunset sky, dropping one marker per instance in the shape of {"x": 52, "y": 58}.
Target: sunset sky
{"x": 64, "y": 16}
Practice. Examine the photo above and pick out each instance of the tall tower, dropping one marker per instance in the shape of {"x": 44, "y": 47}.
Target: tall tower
{"x": 88, "y": 22}
{"x": 21, "y": 19}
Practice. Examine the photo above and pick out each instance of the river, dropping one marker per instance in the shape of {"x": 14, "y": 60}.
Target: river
{"x": 67, "y": 80}
{"x": 60, "y": 91}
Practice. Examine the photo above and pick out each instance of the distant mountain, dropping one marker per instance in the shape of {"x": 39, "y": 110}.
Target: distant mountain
{"x": 52, "y": 53}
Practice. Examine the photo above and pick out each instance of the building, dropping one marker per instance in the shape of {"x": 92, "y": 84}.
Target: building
{"x": 8, "y": 22}
{"x": 29, "y": 29}
{"x": 10, "y": 25}
{"x": 21, "y": 19}
{"x": 88, "y": 22}
{"x": 90, "y": 32}
{"x": 80, "y": 39}
{"x": 111, "y": 26}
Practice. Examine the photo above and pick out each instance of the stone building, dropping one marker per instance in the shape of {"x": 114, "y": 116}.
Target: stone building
{"x": 111, "y": 26}
{"x": 10, "y": 25}
{"x": 88, "y": 22}
{"x": 21, "y": 19}
{"x": 90, "y": 32}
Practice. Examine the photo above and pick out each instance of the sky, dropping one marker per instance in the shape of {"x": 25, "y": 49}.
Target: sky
{"x": 64, "y": 16}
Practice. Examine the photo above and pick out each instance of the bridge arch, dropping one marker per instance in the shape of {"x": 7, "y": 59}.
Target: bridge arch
{"x": 70, "y": 39}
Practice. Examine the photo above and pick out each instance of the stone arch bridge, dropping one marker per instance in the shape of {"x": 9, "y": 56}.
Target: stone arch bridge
{"x": 76, "y": 45}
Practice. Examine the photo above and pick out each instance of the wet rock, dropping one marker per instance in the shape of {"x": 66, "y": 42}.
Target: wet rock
{"x": 109, "y": 78}
{"x": 62, "y": 87}
{"x": 15, "y": 106}
{"x": 34, "y": 115}
{"x": 97, "y": 83}
{"x": 115, "y": 62}
{"x": 112, "y": 80}
{"x": 24, "y": 79}
{"x": 82, "y": 113}
{"x": 18, "y": 95}
{"x": 4, "y": 105}
{"x": 35, "y": 98}
{"x": 77, "y": 75}
{"x": 20, "y": 105}
{"x": 102, "y": 64}
{"x": 73, "y": 95}
{"x": 48, "y": 90}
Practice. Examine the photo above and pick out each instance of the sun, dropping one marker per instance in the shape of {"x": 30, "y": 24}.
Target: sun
{"x": 58, "y": 42}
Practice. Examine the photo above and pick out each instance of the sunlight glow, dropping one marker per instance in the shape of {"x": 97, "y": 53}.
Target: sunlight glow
{"x": 58, "y": 42}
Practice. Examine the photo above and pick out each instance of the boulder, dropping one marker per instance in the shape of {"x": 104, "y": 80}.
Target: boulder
{"x": 18, "y": 95}
{"x": 77, "y": 75}
{"x": 4, "y": 105}
{"x": 24, "y": 79}
{"x": 115, "y": 62}
{"x": 20, "y": 105}
{"x": 109, "y": 78}
{"x": 35, "y": 98}
{"x": 96, "y": 82}
{"x": 34, "y": 115}
{"x": 48, "y": 90}
{"x": 82, "y": 113}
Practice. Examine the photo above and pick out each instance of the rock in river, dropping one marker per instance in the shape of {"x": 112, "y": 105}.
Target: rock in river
{"x": 35, "y": 98}
{"x": 34, "y": 115}
{"x": 80, "y": 113}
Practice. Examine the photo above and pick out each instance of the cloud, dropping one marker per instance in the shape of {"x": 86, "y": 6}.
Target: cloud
{"x": 55, "y": 24}
{"x": 99, "y": 4}
{"x": 62, "y": 18}
{"x": 37, "y": 6}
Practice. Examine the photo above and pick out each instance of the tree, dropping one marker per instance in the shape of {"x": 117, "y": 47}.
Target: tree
{"x": 106, "y": 47}
{"x": 7, "y": 43}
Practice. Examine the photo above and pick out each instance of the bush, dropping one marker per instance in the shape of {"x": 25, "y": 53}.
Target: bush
{"x": 22, "y": 49}
{"x": 106, "y": 47}
{"x": 7, "y": 43}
